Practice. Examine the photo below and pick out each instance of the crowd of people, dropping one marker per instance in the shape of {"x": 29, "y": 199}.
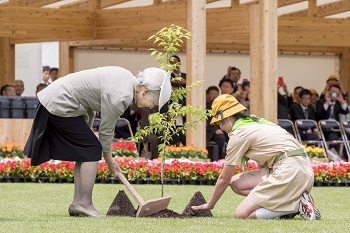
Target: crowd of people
{"x": 331, "y": 103}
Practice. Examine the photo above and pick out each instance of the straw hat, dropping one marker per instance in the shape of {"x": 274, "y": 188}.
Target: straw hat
{"x": 332, "y": 77}
{"x": 224, "y": 106}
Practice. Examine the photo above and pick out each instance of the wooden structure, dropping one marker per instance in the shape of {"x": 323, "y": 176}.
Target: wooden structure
{"x": 15, "y": 130}
{"x": 253, "y": 27}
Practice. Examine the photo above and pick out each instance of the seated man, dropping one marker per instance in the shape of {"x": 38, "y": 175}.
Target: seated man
{"x": 304, "y": 110}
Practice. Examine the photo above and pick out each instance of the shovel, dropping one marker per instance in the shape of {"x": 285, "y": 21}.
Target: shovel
{"x": 145, "y": 208}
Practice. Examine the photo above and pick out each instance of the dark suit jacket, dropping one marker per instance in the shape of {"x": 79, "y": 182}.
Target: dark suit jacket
{"x": 322, "y": 114}
{"x": 282, "y": 107}
{"x": 297, "y": 112}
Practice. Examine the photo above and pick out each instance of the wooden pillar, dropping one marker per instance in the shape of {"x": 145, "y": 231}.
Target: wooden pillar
{"x": 263, "y": 59}
{"x": 7, "y": 61}
{"x": 312, "y": 9}
{"x": 66, "y": 59}
{"x": 196, "y": 54}
{"x": 345, "y": 68}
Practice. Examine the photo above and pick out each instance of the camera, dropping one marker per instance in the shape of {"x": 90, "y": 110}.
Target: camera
{"x": 333, "y": 94}
{"x": 245, "y": 83}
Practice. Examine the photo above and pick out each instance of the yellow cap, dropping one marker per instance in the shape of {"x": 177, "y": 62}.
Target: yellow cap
{"x": 224, "y": 106}
{"x": 313, "y": 91}
{"x": 332, "y": 77}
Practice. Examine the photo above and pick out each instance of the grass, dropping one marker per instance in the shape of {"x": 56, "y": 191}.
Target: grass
{"x": 35, "y": 207}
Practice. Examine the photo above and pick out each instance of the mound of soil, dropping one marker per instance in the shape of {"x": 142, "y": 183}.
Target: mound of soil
{"x": 122, "y": 206}
{"x": 197, "y": 199}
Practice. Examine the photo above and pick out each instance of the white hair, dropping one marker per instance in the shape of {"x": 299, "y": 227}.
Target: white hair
{"x": 151, "y": 78}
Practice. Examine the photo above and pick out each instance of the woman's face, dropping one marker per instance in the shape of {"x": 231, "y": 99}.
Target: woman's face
{"x": 227, "y": 126}
{"x": 144, "y": 98}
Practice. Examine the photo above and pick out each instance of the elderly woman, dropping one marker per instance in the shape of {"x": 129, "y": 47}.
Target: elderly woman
{"x": 62, "y": 126}
{"x": 281, "y": 188}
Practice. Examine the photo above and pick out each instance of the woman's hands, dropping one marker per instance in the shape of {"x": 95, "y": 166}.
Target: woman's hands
{"x": 113, "y": 166}
{"x": 202, "y": 207}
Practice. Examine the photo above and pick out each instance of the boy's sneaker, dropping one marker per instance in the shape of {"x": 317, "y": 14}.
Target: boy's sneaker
{"x": 307, "y": 208}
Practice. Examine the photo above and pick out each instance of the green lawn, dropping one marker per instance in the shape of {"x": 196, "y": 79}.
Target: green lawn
{"x": 35, "y": 207}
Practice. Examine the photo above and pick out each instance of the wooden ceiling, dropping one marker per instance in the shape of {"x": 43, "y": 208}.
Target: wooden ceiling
{"x": 89, "y": 23}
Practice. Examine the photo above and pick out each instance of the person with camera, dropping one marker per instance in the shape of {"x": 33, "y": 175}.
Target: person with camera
{"x": 331, "y": 107}
{"x": 331, "y": 81}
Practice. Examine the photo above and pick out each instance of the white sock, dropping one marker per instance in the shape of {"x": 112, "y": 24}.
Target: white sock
{"x": 263, "y": 213}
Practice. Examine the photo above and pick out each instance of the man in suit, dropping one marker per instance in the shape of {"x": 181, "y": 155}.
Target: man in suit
{"x": 330, "y": 107}
{"x": 333, "y": 104}
{"x": 304, "y": 110}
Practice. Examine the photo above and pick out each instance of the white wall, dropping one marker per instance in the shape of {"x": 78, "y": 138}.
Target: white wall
{"x": 28, "y": 66}
{"x": 30, "y": 58}
{"x": 309, "y": 71}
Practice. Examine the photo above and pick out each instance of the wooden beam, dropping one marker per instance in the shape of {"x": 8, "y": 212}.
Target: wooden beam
{"x": 82, "y": 4}
{"x": 13, "y": 3}
{"x": 139, "y": 22}
{"x": 333, "y": 8}
{"x": 108, "y": 3}
{"x": 157, "y": 2}
{"x": 305, "y": 31}
{"x": 312, "y": 8}
{"x": 288, "y": 2}
{"x": 35, "y": 3}
{"x": 263, "y": 59}
{"x": 54, "y": 24}
{"x": 195, "y": 54}
{"x": 344, "y": 59}
{"x": 7, "y": 62}
{"x": 325, "y": 10}
{"x": 210, "y": 1}
{"x": 234, "y": 3}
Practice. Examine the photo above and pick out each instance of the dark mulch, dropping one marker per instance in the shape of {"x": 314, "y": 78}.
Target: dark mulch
{"x": 197, "y": 199}
{"x": 122, "y": 206}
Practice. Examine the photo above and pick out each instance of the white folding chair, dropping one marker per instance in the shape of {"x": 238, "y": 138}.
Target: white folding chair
{"x": 303, "y": 125}
{"x": 287, "y": 125}
{"x": 333, "y": 126}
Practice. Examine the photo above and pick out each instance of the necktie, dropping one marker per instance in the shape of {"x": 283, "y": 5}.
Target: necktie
{"x": 331, "y": 114}
{"x": 306, "y": 114}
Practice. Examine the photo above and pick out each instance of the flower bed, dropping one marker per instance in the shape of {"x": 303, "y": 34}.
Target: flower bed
{"x": 124, "y": 149}
{"x": 148, "y": 171}
{"x": 189, "y": 152}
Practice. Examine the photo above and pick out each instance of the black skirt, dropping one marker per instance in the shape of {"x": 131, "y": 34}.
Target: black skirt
{"x": 61, "y": 138}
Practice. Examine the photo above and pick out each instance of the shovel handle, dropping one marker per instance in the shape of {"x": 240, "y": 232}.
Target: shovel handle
{"x": 133, "y": 192}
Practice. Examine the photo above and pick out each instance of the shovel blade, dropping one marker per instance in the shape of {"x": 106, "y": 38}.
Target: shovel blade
{"x": 153, "y": 206}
